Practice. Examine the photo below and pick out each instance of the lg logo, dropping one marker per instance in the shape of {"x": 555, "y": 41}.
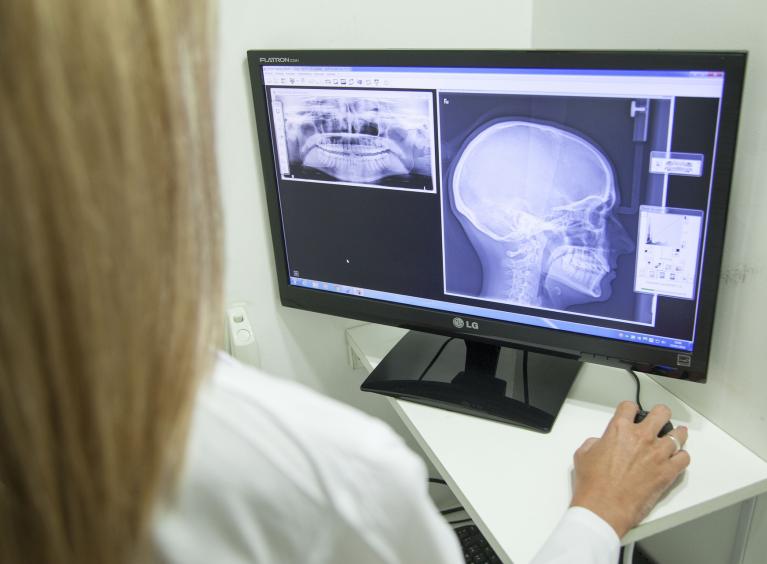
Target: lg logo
{"x": 459, "y": 323}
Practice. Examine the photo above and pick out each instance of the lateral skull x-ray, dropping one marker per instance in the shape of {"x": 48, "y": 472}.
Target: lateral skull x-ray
{"x": 361, "y": 137}
{"x": 536, "y": 202}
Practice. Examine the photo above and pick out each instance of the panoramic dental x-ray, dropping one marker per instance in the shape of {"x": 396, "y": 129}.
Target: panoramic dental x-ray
{"x": 373, "y": 138}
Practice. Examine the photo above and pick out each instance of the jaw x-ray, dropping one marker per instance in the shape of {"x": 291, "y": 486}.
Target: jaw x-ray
{"x": 373, "y": 138}
{"x": 537, "y": 201}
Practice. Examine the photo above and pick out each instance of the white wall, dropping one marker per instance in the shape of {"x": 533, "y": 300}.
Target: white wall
{"x": 734, "y": 396}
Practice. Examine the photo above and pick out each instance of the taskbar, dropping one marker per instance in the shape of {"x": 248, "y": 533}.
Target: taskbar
{"x": 607, "y": 332}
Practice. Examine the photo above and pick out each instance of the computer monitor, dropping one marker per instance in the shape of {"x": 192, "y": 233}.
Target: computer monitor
{"x": 569, "y": 205}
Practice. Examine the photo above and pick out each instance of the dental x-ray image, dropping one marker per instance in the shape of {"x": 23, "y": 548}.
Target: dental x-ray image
{"x": 536, "y": 201}
{"x": 374, "y": 138}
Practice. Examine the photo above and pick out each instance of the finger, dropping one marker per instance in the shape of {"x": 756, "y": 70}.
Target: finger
{"x": 669, "y": 444}
{"x": 673, "y": 441}
{"x": 625, "y": 410}
{"x": 657, "y": 418}
{"x": 680, "y": 461}
{"x": 681, "y": 433}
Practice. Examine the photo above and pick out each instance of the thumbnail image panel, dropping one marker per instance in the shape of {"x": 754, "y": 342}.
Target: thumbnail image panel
{"x": 534, "y": 211}
{"x": 375, "y": 138}
{"x": 667, "y": 251}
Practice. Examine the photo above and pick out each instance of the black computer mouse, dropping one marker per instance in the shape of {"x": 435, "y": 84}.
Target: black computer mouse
{"x": 641, "y": 414}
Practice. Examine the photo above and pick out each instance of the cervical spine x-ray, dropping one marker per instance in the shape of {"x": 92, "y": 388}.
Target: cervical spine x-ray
{"x": 373, "y": 138}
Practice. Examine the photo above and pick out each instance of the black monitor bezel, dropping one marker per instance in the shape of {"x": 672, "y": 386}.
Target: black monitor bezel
{"x": 600, "y": 350}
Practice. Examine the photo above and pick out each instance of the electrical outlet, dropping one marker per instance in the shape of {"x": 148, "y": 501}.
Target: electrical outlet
{"x": 242, "y": 339}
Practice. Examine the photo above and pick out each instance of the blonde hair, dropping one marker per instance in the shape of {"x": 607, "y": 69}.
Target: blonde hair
{"x": 110, "y": 268}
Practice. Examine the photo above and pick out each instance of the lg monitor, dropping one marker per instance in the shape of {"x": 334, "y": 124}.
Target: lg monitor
{"x": 520, "y": 212}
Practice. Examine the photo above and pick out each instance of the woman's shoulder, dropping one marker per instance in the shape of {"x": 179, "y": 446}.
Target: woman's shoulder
{"x": 302, "y": 416}
{"x": 263, "y": 451}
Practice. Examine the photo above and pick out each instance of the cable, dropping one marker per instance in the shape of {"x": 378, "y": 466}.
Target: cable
{"x": 459, "y": 521}
{"x": 638, "y": 386}
{"x": 452, "y": 510}
{"x": 524, "y": 376}
{"x": 628, "y": 553}
{"x": 433, "y": 360}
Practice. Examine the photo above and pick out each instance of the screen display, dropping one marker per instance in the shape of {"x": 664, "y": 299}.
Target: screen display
{"x": 575, "y": 200}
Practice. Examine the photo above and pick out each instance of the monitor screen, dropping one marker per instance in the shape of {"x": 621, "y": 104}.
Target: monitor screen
{"x": 572, "y": 202}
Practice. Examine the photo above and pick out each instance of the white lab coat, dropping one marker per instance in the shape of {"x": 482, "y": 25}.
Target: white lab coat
{"x": 276, "y": 473}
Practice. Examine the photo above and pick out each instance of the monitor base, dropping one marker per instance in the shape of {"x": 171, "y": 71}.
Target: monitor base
{"x": 475, "y": 378}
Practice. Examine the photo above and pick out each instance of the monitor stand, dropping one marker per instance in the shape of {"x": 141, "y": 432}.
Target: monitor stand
{"x": 475, "y": 378}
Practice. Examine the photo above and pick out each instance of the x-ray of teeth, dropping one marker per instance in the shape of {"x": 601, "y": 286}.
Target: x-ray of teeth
{"x": 535, "y": 201}
{"x": 374, "y": 138}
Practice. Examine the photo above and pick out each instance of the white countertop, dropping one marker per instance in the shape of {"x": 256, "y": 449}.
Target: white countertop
{"x": 516, "y": 483}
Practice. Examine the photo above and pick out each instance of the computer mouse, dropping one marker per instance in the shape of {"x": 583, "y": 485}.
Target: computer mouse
{"x": 641, "y": 414}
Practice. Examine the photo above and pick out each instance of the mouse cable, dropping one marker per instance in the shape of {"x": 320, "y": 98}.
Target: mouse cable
{"x": 634, "y": 374}
{"x": 433, "y": 360}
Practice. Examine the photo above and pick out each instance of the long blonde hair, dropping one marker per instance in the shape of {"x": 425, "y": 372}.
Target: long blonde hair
{"x": 110, "y": 268}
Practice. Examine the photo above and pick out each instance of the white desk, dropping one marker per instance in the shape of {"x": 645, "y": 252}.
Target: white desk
{"x": 516, "y": 483}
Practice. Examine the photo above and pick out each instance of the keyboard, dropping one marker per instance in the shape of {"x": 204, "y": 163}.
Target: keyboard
{"x": 476, "y": 549}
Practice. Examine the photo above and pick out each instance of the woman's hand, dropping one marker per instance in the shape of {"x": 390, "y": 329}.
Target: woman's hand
{"x": 622, "y": 475}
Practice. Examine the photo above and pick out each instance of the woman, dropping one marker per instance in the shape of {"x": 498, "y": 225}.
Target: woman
{"x": 110, "y": 302}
